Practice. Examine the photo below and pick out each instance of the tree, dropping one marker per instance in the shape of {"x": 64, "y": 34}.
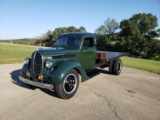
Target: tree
{"x": 72, "y": 29}
{"x": 101, "y": 42}
{"x": 101, "y": 30}
{"x": 158, "y": 32}
{"x": 137, "y": 35}
{"x": 82, "y": 29}
{"x": 109, "y": 27}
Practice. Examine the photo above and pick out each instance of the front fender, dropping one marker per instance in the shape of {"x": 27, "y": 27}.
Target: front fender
{"x": 25, "y": 68}
{"x": 62, "y": 70}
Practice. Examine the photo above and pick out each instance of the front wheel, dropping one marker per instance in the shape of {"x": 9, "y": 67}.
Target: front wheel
{"x": 68, "y": 88}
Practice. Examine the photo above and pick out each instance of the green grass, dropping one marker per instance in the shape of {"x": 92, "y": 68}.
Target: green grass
{"x": 143, "y": 64}
{"x": 12, "y": 53}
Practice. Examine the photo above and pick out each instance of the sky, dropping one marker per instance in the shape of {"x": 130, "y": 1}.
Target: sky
{"x": 33, "y": 18}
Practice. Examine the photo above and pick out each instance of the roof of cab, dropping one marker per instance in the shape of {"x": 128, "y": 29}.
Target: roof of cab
{"x": 83, "y": 34}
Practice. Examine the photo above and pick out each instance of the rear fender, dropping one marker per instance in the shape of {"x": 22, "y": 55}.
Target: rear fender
{"x": 62, "y": 70}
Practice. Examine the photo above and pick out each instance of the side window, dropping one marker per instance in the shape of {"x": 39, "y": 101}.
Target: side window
{"x": 88, "y": 42}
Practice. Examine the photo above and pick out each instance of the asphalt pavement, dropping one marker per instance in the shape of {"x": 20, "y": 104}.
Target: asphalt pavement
{"x": 133, "y": 95}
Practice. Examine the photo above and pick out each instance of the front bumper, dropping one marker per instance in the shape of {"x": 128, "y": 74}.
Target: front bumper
{"x": 37, "y": 84}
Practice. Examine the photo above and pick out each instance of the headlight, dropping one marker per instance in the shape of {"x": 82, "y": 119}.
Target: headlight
{"x": 49, "y": 64}
{"x": 26, "y": 61}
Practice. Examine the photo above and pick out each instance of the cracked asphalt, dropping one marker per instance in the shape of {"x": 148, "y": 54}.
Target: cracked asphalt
{"x": 134, "y": 95}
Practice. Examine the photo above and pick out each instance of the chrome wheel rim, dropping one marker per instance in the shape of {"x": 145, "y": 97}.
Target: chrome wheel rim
{"x": 70, "y": 83}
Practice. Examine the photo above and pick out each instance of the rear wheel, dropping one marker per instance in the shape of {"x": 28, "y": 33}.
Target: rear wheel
{"x": 69, "y": 87}
{"x": 117, "y": 67}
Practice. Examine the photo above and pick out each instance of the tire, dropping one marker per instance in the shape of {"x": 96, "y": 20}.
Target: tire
{"x": 111, "y": 63}
{"x": 117, "y": 66}
{"x": 70, "y": 84}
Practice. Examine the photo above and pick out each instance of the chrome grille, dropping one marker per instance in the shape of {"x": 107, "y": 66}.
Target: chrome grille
{"x": 37, "y": 62}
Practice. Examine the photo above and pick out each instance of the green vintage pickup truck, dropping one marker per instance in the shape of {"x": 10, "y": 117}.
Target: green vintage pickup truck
{"x": 63, "y": 67}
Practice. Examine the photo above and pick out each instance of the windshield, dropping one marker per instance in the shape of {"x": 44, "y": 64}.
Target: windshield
{"x": 69, "y": 41}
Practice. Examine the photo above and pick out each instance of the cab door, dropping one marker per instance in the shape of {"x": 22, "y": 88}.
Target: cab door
{"x": 87, "y": 55}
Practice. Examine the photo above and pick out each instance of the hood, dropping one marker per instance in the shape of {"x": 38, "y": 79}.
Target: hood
{"x": 56, "y": 50}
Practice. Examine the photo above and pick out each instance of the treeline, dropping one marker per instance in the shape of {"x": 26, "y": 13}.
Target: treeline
{"x": 146, "y": 50}
{"x": 135, "y": 35}
{"x": 25, "y": 41}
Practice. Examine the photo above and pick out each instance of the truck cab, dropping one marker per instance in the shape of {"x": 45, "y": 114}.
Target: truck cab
{"x": 85, "y": 43}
